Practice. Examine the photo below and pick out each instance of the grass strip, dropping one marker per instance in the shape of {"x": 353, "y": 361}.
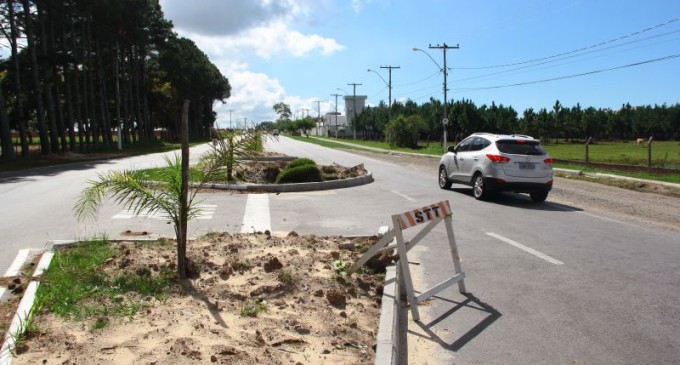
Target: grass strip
{"x": 76, "y": 285}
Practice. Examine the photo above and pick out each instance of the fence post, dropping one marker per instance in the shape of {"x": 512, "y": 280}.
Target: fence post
{"x": 587, "y": 150}
{"x": 649, "y": 153}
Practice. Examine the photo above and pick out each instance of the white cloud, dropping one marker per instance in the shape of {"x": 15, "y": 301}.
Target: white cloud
{"x": 254, "y": 95}
{"x": 273, "y": 40}
{"x": 232, "y": 32}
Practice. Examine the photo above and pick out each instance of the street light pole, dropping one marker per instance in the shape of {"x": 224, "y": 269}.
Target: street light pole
{"x": 388, "y": 83}
{"x": 354, "y": 110}
{"x": 445, "y": 120}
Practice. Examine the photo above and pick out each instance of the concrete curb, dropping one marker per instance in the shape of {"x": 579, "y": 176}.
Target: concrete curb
{"x": 663, "y": 183}
{"x": 390, "y": 336}
{"x": 23, "y": 312}
{"x": 289, "y": 188}
{"x": 616, "y": 177}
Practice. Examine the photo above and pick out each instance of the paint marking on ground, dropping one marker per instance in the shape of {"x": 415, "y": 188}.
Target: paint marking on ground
{"x": 527, "y": 249}
{"x": 207, "y": 211}
{"x": 19, "y": 261}
{"x": 403, "y": 195}
{"x": 256, "y": 217}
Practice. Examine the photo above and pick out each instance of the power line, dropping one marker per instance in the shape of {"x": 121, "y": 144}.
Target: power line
{"x": 574, "y": 51}
{"x": 571, "y": 76}
{"x": 419, "y": 81}
{"x": 567, "y": 57}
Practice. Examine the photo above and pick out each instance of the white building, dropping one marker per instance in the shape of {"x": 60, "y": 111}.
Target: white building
{"x": 335, "y": 124}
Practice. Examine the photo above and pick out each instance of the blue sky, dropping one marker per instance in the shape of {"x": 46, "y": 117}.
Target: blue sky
{"x": 301, "y": 51}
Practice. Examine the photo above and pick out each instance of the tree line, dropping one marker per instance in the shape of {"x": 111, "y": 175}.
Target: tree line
{"x": 574, "y": 123}
{"x": 82, "y": 71}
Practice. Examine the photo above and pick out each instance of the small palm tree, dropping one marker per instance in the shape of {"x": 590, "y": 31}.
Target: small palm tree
{"x": 133, "y": 190}
{"x": 231, "y": 148}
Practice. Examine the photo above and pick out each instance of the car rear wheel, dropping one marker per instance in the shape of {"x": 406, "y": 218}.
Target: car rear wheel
{"x": 479, "y": 190}
{"x": 539, "y": 196}
{"x": 444, "y": 181}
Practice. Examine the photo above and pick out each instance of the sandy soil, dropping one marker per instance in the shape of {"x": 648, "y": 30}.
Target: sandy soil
{"x": 317, "y": 317}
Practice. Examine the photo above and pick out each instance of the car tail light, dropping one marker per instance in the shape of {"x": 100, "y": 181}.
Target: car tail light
{"x": 497, "y": 158}
{"x": 548, "y": 161}
{"x": 549, "y": 182}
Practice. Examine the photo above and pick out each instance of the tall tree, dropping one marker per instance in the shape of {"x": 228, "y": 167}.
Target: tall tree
{"x": 45, "y": 147}
{"x": 5, "y": 134}
{"x": 19, "y": 96}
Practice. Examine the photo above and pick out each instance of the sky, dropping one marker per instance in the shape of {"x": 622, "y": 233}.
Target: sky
{"x": 524, "y": 54}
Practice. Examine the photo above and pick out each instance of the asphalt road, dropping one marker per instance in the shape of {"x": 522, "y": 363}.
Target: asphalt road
{"x": 550, "y": 283}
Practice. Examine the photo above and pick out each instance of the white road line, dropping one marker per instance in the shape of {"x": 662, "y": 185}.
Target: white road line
{"x": 403, "y": 196}
{"x": 527, "y": 249}
{"x": 256, "y": 217}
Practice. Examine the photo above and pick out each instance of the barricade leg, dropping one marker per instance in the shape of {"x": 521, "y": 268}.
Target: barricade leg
{"x": 405, "y": 270}
{"x": 454, "y": 252}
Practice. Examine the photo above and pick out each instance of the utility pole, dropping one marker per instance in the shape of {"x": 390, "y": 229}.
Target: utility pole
{"x": 445, "y": 120}
{"x": 389, "y": 84}
{"x": 245, "y": 124}
{"x": 336, "y": 114}
{"x": 354, "y": 109}
{"x": 230, "y": 110}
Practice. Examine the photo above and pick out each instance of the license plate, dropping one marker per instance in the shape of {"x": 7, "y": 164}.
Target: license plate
{"x": 527, "y": 165}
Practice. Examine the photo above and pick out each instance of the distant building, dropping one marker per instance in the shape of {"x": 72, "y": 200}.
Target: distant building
{"x": 336, "y": 124}
{"x": 352, "y": 103}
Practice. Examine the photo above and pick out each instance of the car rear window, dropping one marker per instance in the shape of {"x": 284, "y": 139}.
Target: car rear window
{"x": 520, "y": 147}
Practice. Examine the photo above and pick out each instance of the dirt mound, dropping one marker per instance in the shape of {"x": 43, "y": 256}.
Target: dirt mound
{"x": 250, "y": 299}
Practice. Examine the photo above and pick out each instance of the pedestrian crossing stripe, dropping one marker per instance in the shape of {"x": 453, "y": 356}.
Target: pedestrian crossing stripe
{"x": 207, "y": 211}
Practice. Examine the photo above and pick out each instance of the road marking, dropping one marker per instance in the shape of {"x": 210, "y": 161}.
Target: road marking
{"x": 403, "y": 195}
{"x": 527, "y": 249}
{"x": 19, "y": 261}
{"x": 207, "y": 211}
{"x": 256, "y": 217}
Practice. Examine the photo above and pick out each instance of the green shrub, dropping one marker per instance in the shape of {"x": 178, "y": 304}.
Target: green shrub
{"x": 300, "y": 174}
{"x": 404, "y": 131}
{"x": 300, "y": 162}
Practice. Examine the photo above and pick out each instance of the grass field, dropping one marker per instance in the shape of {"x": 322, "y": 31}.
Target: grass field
{"x": 664, "y": 154}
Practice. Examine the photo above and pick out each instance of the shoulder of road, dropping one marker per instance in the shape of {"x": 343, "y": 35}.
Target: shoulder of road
{"x": 566, "y": 171}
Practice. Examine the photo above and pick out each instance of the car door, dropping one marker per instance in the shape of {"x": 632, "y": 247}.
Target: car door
{"x": 460, "y": 157}
{"x": 470, "y": 158}
{"x": 474, "y": 157}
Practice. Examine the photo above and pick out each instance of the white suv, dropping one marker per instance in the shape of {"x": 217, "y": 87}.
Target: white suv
{"x": 496, "y": 162}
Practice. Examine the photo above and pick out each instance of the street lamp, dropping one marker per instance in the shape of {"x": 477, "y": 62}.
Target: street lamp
{"x": 445, "y": 120}
{"x": 389, "y": 85}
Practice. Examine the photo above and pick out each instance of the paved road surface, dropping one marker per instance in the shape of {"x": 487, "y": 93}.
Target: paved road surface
{"x": 550, "y": 283}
